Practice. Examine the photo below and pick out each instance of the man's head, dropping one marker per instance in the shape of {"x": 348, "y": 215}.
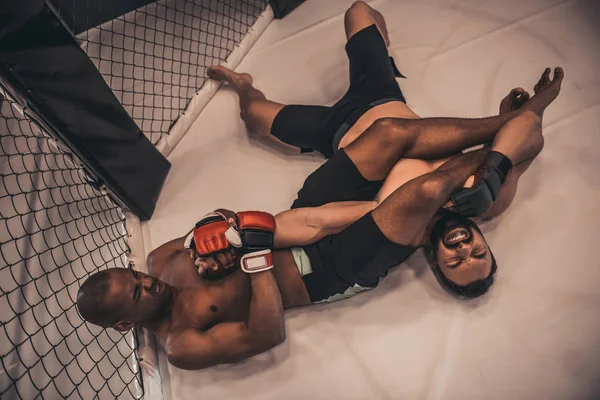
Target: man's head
{"x": 460, "y": 257}
{"x": 122, "y": 297}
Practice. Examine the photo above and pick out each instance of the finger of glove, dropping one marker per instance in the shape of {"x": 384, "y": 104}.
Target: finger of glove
{"x": 212, "y": 244}
{"x": 222, "y": 259}
{"x": 211, "y": 238}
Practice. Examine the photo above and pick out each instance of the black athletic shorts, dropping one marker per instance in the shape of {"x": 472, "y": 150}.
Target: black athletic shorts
{"x": 372, "y": 82}
{"x": 361, "y": 254}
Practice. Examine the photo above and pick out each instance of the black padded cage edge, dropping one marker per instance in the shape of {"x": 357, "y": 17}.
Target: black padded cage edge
{"x": 58, "y": 223}
{"x": 55, "y": 230}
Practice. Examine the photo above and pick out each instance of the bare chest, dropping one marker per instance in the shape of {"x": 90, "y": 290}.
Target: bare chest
{"x": 204, "y": 304}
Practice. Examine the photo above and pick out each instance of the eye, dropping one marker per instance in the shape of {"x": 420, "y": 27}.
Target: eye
{"x": 480, "y": 254}
{"x": 136, "y": 294}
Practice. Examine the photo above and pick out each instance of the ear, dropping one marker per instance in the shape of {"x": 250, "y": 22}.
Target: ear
{"x": 123, "y": 326}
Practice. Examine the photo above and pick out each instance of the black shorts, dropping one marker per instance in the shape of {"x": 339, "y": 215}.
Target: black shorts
{"x": 372, "y": 82}
{"x": 361, "y": 254}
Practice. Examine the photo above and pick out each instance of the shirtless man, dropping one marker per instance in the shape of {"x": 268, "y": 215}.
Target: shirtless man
{"x": 330, "y": 245}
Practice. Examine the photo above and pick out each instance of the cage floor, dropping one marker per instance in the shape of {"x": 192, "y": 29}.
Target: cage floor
{"x": 536, "y": 335}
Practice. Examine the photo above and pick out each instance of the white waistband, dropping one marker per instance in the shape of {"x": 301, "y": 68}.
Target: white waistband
{"x": 302, "y": 261}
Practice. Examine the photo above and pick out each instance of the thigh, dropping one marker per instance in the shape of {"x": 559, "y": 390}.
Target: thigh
{"x": 336, "y": 180}
{"x": 370, "y": 64}
{"x": 303, "y": 126}
{"x": 363, "y": 254}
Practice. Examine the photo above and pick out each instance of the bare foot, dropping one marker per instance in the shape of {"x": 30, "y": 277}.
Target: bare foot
{"x": 546, "y": 91}
{"x": 224, "y": 74}
{"x": 514, "y": 100}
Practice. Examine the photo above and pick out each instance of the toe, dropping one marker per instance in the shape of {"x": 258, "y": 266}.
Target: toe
{"x": 546, "y": 75}
{"x": 558, "y": 74}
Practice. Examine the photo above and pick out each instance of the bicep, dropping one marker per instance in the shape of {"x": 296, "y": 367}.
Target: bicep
{"x": 404, "y": 216}
{"x": 222, "y": 344}
{"x": 304, "y": 226}
{"x": 158, "y": 257}
{"x": 293, "y": 229}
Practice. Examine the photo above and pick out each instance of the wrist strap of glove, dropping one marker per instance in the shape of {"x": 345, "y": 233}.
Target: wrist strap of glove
{"x": 500, "y": 163}
{"x": 257, "y": 261}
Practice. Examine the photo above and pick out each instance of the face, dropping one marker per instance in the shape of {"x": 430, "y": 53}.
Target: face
{"x": 141, "y": 298}
{"x": 460, "y": 249}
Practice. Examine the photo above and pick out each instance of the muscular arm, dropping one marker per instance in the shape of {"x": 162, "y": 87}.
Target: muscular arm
{"x": 233, "y": 341}
{"x": 404, "y": 216}
{"x": 303, "y": 226}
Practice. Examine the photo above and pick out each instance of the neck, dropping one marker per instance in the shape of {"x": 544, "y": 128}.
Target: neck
{"x": 162, "y": 316}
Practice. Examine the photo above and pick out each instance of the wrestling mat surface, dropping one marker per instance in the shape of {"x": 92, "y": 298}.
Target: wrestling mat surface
{"x": 536, "y": 335}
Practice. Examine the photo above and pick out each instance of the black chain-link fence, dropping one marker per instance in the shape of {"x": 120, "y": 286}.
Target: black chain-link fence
{"x": 55, "y": 230}
{"x": 155, "y": 57}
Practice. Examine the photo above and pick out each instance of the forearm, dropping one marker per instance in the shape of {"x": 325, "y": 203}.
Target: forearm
{"x": 453, "y": 174}
{"x": 304, "y": 226}
{"x": 266, "y": 325}
{"x": 335, "y": 217}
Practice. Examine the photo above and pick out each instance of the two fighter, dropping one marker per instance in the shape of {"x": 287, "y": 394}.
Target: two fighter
{"x": 336, "y": 240}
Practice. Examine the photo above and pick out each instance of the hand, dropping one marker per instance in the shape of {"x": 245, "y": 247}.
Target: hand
{"x": 218, "y": 263}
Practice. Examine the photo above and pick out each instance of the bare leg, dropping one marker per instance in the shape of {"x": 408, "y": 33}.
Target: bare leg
{"x": 257, "y": 112}
{"x": 428, "y": 139}
{"x": 435, "y": 138}
{"x": 404, "y": 216}
{"x": 522, "y": 158}
{"x": 359, "y": 16}
{"x": 406, "y": 169}
{"x": 530, "y": 121}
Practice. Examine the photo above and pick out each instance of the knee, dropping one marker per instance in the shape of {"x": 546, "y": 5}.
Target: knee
{"x": 431, "y": 190}
{"x": 393, "y": 128}
{"x": 358, "y": 7}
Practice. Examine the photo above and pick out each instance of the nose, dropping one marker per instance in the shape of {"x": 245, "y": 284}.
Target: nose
{"x": 147, "y": 282}
{"x": 464, "y": 251}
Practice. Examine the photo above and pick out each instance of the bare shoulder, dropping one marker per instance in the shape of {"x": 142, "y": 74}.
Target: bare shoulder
{"x": 159, "y": 257}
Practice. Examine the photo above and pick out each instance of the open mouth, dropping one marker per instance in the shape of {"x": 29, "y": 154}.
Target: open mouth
{"x": 456, "y": 235}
